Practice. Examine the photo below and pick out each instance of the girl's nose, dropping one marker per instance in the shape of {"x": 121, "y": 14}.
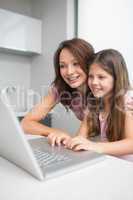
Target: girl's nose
{"x": 94, "y": 81}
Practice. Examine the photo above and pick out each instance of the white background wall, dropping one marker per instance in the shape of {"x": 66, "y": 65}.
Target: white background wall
{"x": 108, "y": 24}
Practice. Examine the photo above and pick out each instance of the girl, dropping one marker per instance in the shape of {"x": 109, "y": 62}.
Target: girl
{"x": 108, "y": 82}
{"x": 69, "y": 88}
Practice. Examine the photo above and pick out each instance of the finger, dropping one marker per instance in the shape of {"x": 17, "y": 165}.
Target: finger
{"x": 52, "y": 140}
{"x": 49, "y": 138}
{"x": 72, "y": 141}
{"x": 58, "y": 141}
{"x": 80, "y": 147}
{"x": 65, "y": 141}
{"x": 74, "y": 144}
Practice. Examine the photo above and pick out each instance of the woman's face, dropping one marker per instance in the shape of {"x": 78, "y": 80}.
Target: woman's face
{"x": 70, "y": 70}
{"x": 100, "y": 82}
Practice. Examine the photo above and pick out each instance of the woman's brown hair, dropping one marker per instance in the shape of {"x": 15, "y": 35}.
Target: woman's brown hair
{"x": 112, "y": 62}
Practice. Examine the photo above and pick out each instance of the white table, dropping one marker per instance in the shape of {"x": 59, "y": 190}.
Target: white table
{"x": 110, "y": 179}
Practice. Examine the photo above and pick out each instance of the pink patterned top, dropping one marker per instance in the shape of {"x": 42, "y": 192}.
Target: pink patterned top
{"x": 103, "y": 128}
{"x": 76, "y": 104}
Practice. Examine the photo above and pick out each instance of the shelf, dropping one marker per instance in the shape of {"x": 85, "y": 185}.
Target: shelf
{"x": 19, "y": 34}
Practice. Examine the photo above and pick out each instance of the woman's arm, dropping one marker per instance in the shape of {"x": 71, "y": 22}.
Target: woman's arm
{"x": 30, "y": 122}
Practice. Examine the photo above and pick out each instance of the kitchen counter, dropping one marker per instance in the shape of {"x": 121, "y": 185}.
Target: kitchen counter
{"x": 110, "y": 179}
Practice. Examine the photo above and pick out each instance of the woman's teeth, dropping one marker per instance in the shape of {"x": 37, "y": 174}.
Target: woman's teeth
{"x": 73, "y": 78}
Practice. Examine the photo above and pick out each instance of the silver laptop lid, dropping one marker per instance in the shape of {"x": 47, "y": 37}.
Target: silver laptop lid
{"x": 13, "y": 143}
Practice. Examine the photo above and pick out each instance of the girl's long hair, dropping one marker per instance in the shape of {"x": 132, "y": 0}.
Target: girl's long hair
{"x": 82, "y": 51}
{"x": 112, "y": 62}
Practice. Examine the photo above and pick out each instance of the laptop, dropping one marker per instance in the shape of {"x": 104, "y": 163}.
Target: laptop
{"x": 36, "y": 156}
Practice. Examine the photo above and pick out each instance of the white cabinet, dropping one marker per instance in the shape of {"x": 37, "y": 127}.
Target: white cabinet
{"x": 19, "y": 33}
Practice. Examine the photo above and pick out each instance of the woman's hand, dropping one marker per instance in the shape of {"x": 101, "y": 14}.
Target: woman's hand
{"x": 58, "y": 138}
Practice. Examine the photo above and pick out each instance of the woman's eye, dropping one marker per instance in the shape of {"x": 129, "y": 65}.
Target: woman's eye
{"x": 62, "y": 66}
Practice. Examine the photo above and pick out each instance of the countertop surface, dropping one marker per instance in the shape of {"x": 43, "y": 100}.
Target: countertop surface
{"x": 109, "y": 179}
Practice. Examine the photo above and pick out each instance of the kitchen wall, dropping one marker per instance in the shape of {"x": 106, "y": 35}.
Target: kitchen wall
{"x": 20, "y": 6}
{"x": 37, "y": 72}
{"x": 15, "y": 69}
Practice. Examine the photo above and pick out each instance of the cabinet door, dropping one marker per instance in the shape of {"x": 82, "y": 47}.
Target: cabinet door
{"x": 19, "y": 32}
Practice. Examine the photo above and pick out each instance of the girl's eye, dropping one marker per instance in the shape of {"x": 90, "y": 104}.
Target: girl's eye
{"x": 101, "y": 77}
{"x": 90, "y": 76}
{"x": 75, "y": 64}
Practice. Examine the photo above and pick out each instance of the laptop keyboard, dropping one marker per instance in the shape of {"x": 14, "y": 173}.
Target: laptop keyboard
{"x": 45, "y": 159}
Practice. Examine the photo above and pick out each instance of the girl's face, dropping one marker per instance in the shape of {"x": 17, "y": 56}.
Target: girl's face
{"x": 70, "y": 70}
{"x": 100, "y": 82}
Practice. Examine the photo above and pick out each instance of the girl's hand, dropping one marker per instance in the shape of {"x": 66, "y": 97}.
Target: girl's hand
{"x": 79, "y": 143}
{"x": 58, "y": 138}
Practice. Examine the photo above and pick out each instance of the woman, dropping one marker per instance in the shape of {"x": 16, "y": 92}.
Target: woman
{"x": 69, "y": 88}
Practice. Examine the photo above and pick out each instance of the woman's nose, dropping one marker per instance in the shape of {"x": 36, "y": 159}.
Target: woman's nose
{"x": 70, "y": 69}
